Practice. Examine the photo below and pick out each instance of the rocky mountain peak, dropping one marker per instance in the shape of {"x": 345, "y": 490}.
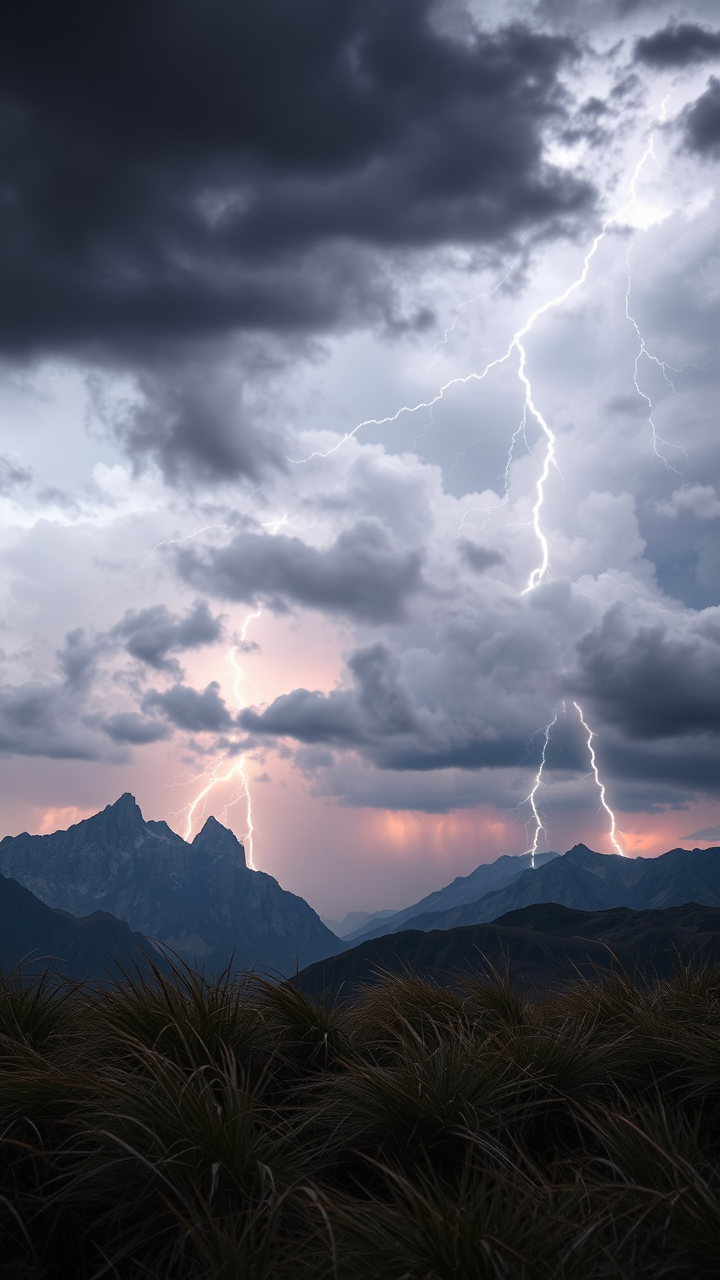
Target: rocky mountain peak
{"x": 215, "y": 840}
{"x": 121, "y": 820}
{"x": 581, "y": 851}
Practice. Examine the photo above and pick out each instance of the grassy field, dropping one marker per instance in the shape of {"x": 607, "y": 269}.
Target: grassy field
{"x": 181, "y": 1129}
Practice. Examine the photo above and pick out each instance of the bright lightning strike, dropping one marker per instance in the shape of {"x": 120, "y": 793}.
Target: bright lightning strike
{"x": 632, "y": 213}
{"x": 600, "y": 784}
{"x": 531, "y": 799}
{"x": 273, "y": 526}
{"x": 236, "y": 769}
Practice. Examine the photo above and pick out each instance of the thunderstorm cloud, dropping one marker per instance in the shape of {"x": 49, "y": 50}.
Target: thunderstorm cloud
{"x": 359, "y": 392}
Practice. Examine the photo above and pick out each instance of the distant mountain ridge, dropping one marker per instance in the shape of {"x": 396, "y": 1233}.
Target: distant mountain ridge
{"x": 487, "y": 878}
{"x": 587, "y": 881}
{"x": 198, "y": 898}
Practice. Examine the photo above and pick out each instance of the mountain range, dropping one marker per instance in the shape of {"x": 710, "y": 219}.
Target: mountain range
{"x": 586, "y": 881}
{"x": 489, "y": 877}
{"x": 116, "y": 882}
{"x": 199, "y": 899}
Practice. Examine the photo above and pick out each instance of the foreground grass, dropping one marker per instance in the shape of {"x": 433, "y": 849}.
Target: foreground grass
{"x": 182, "y": 1129}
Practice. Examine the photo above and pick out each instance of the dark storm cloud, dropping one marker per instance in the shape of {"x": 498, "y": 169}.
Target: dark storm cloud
{"x": 128, "y": 726}
{"x": 650, "y": 681}
{"x": 187, "y": 709}
{"x": 363, "y": 574}
{"x": 37, "y": 719}
{"x": 379, "y": 706}
{"x": 378, "y": 718}
{"x": 702, "y": 121}
{"x": 177, "y": 170}
{"x": 195, "y": 426}
{"x": 678, "y": 45}
{"x": 152, "y": 635}
{"x": 651, "y": 692}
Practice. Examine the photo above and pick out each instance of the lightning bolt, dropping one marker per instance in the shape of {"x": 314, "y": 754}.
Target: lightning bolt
{"x": 441, "y": 342}
{"x": 531, "y": 799}
{"x": 600, "y": 784}
{"x": 273, "y": 526}
{"x": 235, "y": 770}
{"x": 656, "y": 440}
{"x": 623, "y": 215}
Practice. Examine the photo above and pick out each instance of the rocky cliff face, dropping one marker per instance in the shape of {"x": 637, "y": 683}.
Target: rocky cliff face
{"x": 199, "y": 898}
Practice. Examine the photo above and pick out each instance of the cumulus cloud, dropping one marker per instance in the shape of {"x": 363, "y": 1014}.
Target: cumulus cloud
{"x": 701, "y": 500}
{"x": 145, "y": 213}
{"x": 154, "y": 635}
{"x": 187, "y": 709}
{"x": 363, "y": 574}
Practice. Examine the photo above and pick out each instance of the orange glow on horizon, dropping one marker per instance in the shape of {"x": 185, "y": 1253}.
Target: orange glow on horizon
{"x": 60, "y": 818}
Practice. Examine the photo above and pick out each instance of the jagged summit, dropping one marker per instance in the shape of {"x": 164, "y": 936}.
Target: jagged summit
{"x": 215, "y": 839}
{"x": 199, "y": 898}
{"x": 125, "y": 801}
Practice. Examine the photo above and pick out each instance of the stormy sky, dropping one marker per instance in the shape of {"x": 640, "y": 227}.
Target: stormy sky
{"x": 359, "y": 386}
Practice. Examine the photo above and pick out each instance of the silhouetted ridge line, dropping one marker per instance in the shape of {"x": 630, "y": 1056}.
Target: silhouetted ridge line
{"x": 198, "y": 898}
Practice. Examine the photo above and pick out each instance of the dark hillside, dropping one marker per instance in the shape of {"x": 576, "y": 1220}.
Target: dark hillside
{"x": 544, "y": 946}
{"x": 37, "y": 938}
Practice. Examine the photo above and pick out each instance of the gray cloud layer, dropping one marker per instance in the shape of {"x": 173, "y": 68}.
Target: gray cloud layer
{"x": 363, "y": 575}
{"x": 702, "y": 121}
{"x": 172, "y": 169}
{"x": 56, "y": 718}
{"x": 155, "y": 635}
{"x": 680, "y": 44}
{"x": 187, "y": 709}
{"x": 651, "y": 681}
{"x": 211, "y": 197}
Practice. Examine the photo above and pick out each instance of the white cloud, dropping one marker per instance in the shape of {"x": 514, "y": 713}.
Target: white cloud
{"x": 701, "y": 500}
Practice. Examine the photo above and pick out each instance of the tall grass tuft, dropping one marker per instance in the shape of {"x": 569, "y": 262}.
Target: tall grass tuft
{"x": 176, "y": 1128}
